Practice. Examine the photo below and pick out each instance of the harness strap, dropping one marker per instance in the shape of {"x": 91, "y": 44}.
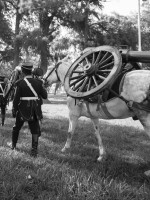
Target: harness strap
{"x": 28, "y": 98}
{"x": 30, "y": 86}
{"x": 105, "y": 110}
{"x": 32, "y": 89}
{"x": 140, "y": 106}
{"x": 1, "y": 89}
{"x": 56, "y": 70}
{"x": 88, "y": 109}
{"x": 102, "y": 110}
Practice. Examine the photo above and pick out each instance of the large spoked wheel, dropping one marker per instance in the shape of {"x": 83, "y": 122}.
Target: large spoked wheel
{"x": 92, "y": 72}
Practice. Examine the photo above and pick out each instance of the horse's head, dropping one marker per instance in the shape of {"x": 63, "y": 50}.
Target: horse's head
{"x": 51, "y": 76}
{"x": 57, "y": 72}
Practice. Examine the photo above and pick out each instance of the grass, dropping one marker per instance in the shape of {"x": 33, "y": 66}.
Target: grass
{"x": 75, "y": 175}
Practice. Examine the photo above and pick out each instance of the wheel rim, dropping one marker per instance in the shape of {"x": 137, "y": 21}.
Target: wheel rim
{"x": 92, "y": 72}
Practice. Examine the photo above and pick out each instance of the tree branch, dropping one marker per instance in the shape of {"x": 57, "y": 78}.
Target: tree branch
{"x": 11, "y": 2}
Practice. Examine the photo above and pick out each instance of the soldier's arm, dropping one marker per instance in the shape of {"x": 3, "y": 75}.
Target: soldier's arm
{"x": 16, "y": 98}
{"x": 43, "y": 92}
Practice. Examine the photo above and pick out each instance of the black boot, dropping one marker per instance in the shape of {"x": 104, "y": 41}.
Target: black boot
{"x": 14, "y": 139}
{"x": 3, "y": 119}
{"x": 34, "y": 150}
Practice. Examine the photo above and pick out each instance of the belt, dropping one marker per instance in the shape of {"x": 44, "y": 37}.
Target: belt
{"x": 28, "y": 98}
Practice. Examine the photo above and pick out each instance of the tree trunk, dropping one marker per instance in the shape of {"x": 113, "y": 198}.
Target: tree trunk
{"x": 86, "y": 26}
{"x": 44, "y": 56}
{"x": 16, "y": 42}
{"x": 45, "y": 22}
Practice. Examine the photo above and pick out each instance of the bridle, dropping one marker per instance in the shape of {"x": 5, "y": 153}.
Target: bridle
{"x": 54, "y": 69}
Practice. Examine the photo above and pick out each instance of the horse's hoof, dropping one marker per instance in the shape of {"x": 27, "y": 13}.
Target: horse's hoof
{"x": 64, "y": 150}
{"x": 100, "y": 158}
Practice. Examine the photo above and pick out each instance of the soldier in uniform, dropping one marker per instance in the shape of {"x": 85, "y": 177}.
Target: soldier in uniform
{"x": 27, "y": 106}
{"x": 3, "y": 102}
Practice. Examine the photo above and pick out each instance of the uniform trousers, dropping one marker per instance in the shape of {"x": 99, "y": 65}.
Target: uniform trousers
{"x": 34, "y": 127}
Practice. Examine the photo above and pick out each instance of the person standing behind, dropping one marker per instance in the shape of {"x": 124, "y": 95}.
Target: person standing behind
{"x": 3, "y": 102}
{"x": 27, "y": 106}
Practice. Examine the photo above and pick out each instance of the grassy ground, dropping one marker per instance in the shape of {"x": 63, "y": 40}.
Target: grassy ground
{"x": 75, "y": 175}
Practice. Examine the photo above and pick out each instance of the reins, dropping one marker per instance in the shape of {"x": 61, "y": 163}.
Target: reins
{"x": 53, "y": 69}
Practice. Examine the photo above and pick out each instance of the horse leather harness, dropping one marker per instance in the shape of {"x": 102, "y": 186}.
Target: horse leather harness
{"x": 2, "y": 90}
{"x": 54, "y": 69}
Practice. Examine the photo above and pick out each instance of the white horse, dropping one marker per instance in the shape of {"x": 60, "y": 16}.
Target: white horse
{"x": 135, "y": 87}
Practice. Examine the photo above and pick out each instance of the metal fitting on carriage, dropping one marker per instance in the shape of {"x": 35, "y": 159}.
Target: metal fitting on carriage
{"x": 130, "y": 104}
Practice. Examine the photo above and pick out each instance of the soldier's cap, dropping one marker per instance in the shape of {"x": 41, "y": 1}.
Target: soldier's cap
{"x": 27, "y": 65}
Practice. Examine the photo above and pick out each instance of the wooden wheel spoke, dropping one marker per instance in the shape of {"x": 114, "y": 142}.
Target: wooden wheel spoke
{"x": 75, "y": 77}
{"x": 101, "y": 77}
{"x": 106, "y": 60}
{"x": 77, "y": 71}
{"x": 98, "y": 57}
{"x": 87, "y": 61}
{"x": 95, "y": 81}
{"x": 84, "y": 84}
{"x": 78, "y": 80}
{"x": 104, "y": 70}
{"x": 89, "y": 84}
{"x": 104, "y": 57}
{"x": 93, "y": 58}
{"x": 106, "y": 66}
{"x": 78, "y": 85}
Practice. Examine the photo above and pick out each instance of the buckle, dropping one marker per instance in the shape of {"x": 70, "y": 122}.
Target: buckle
{"x": 130, "y": 104}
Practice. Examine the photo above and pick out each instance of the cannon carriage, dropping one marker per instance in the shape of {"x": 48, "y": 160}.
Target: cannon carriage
{"x": 99, "y": 68}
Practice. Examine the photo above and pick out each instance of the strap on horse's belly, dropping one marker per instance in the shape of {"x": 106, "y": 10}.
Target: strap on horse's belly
{"x": 102, "y": 109}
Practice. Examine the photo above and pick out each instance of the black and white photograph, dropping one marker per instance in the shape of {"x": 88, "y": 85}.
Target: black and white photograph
{"x": 74, "y": 99}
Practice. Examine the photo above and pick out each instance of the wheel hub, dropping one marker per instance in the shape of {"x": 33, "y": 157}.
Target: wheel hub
{"x": 90, "y": 69}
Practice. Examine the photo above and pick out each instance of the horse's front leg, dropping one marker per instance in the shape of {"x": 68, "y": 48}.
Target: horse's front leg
{"x": 3, "y": 112}
{"x": 72, "y": 125}
{"x": 100, "y": 144}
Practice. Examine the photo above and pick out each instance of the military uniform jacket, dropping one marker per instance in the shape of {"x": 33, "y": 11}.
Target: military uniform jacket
{"x": 29, "y": 109}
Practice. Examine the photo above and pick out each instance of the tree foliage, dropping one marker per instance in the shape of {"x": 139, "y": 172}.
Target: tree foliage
{"x": 145, "y": 26}
{"x": 120, "y": 30}
{"x": 6, "y": 35}
{"x": 38, "y": 25}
